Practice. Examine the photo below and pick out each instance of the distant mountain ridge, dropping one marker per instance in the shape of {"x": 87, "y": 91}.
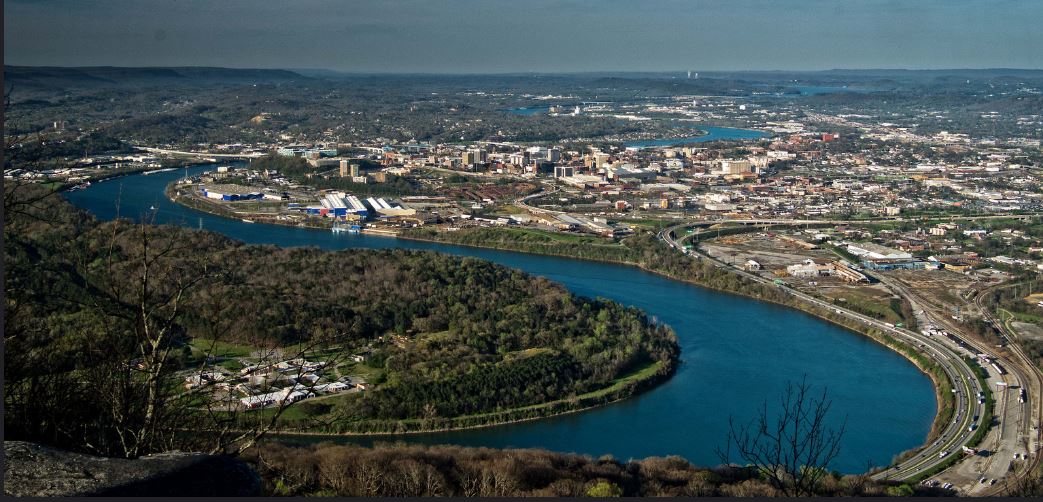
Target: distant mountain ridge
{"x": 53, "y": 77}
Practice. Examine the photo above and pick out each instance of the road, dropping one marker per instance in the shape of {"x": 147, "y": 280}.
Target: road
{"x": 1027, "y": 434}
{"x": 200, "y": 154}
{"x": 956, "y": 433}
{"x": 521, "y": 202}
{"x": 1013, "y": 433}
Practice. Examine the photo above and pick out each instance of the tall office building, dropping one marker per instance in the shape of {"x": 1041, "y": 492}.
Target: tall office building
{"x": 348, "y": 170}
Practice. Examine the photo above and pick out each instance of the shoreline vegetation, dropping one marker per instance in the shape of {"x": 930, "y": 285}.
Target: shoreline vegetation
{"x": 624, "y": 388}
{"x": 742, "y": 287}
{"x": 648, "y": 255}
{"x": 448, "y": 343}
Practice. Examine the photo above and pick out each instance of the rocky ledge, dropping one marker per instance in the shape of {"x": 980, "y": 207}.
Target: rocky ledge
{"x": 32, "y": 470}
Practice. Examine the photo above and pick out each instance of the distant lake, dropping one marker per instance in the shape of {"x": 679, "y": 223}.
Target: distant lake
{"x": 529, "y": 110}
{"x": 811, "y": 90}
{"x": 713, "y": 133}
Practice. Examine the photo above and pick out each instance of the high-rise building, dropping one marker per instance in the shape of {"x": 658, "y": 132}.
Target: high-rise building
{"x": 348, "y": 169}
{"x": 475, "y": 156}
{"x": 564, "y": 171}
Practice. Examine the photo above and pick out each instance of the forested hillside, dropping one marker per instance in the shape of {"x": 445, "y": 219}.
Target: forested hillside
{"x": 90, "y": 303}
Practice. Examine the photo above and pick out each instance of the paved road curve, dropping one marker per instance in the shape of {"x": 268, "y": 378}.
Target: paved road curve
{"x": 956, "y": 434}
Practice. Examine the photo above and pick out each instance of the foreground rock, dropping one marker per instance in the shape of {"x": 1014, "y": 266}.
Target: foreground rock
{"x": 32, "y": 470}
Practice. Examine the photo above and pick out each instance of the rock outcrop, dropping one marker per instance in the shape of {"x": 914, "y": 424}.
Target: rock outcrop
{"x": 32, "y": 470}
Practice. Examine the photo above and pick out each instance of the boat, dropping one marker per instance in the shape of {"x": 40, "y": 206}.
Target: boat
{"x": 152, "y": 208}
{"x": 247, "y": 221}
{"x": 353, "y": 229}
{"x": 146, "y": 173}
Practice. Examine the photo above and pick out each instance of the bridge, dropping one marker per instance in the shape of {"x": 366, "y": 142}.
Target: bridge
{"x": 205, "y": 155}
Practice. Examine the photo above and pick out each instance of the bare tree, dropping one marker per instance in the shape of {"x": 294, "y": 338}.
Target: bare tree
{"x": 1029, "y": 484}
{"x": 792, "y": 451}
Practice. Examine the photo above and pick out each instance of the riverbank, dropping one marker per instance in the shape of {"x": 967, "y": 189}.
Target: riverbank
{"x": 739, "y": 287}
{"x": 734, "y": 370}
{"x": 732, "y": 284}
{"x": 623, "y": 388}
{"x": 113, "y": 174}
{"x": 218, "y": 209}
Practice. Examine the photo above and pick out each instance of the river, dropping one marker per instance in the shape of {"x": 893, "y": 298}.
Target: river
{"x": 736, "y": 352}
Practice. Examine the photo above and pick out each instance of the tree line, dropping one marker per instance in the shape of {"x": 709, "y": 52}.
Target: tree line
{"x": 101, "y": 314}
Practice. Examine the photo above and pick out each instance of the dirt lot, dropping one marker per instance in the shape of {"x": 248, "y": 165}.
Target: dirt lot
{"x": 942, "y": 288}
{"x": 775, "y": 254}
{"x": 1027, "y": 330}
{"x": 771, "y": 252}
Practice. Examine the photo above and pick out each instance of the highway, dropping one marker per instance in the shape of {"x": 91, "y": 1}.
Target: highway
{"x": 200, "y": 154}
{"x": 1026, "y": 435}
{"x": 956, "y": 433}
{"x": 1012, "y": 432}
{"x": 521, "y": 202}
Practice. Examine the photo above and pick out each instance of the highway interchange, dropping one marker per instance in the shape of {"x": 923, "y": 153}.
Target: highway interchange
{"x": 968, "y": 410}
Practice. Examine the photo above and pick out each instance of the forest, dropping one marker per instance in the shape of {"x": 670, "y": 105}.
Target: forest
{"x": 451, "y": 336}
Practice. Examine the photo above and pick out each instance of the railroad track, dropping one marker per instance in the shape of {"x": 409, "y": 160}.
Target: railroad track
{"x": 1034, "y": 386}
{"x": 955, "y": 435}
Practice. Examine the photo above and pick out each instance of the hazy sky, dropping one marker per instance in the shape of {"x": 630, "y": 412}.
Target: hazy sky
{"x": 467, "y": 36}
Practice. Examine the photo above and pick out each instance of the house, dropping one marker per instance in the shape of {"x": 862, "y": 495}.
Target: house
{"x": 331, "y": 388}
{"x": 286, "y": 396}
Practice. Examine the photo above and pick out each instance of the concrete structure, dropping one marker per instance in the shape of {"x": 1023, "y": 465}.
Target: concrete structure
{"x": 348, "y": 169}
{"x": 876, "y": 251}
{"x": 735, "y": 167}
{"x": 564, "y": 171}
{"x": 810, "y": 269}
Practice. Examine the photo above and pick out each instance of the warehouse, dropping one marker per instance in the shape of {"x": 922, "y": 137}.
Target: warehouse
{"x": 231, "y": 193}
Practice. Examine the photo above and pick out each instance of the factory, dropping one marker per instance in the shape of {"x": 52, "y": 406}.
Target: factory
{"x": 342, "y": 205}
{"x": 230, "y": 193}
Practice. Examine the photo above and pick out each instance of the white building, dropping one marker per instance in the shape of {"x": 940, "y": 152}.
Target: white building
{"x": 877, "y": 252}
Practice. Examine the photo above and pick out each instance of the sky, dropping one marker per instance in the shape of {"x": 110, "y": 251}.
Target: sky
{"x": 498, "y": 36}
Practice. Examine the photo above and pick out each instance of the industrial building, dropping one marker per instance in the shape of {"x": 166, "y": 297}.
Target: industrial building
{"x": 877, "y": 252}
{"x": 230, "y": 193}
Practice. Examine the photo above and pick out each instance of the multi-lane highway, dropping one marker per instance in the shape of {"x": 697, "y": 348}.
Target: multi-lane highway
{"x": 957, "y": 433}
{"x": 1024, "y": 436}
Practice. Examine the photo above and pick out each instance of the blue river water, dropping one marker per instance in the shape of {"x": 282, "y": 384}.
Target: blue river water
{"x": 737, "y": 353}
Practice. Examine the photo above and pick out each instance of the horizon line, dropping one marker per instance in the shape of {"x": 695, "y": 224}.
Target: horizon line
{"x": 529, "y": 72}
